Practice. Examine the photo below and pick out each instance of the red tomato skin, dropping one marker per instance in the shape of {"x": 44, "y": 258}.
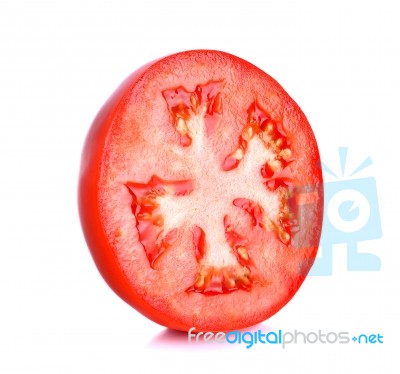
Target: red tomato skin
{"x": 89, "y": 208}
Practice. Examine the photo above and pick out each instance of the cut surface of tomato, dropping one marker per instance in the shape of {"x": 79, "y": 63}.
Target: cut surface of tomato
{"x": 200, "y": 192}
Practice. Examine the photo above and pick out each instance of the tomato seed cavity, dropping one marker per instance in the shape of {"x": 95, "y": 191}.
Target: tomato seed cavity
{"x": 156, "y": 235}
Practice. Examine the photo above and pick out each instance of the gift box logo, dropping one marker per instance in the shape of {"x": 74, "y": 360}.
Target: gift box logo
{"x": 351, "y": 216}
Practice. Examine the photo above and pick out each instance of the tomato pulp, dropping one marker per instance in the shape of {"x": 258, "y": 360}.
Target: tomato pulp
{"x": 200, "y": 192}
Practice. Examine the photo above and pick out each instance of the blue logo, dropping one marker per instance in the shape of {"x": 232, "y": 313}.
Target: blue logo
{"x": 351, "y": 216}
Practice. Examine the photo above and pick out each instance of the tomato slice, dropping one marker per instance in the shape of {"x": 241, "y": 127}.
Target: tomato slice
{"x": 200, "y": 192}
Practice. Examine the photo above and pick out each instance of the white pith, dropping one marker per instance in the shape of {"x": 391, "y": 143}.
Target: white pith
{"x": 215, "y": 190}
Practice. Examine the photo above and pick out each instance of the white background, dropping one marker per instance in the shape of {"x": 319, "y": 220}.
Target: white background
{"x": 60, "y": 60}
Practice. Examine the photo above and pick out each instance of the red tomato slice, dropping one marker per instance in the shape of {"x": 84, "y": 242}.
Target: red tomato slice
{"x": 200, "y": 192}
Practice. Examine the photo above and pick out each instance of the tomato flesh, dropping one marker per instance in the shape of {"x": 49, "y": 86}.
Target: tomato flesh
{"x": 192, "y": 192}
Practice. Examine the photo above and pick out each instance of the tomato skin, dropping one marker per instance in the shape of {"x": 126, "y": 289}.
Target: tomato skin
{"x": 91, "y": 212}
{"x": 89, "y": 208}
